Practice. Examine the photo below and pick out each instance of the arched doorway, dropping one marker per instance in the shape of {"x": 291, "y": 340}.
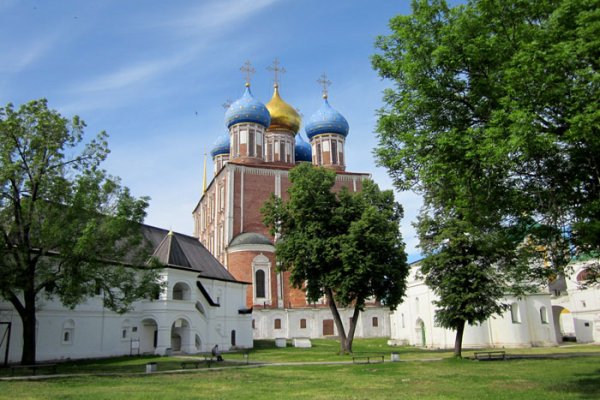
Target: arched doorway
{"x": 180, "y": 335}
{"x": 564, "y": 325}
{"x": 148, "y": 335}
{"x": 420, "y": 333}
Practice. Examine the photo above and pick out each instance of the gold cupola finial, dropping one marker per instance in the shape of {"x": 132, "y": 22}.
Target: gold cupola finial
{"x": 323, "y": 81}
{"x": 248, "y": 71}
{"x": 283, "y": 116}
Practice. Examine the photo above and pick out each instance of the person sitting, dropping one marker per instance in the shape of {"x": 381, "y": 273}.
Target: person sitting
{"x": 217, "y": 353}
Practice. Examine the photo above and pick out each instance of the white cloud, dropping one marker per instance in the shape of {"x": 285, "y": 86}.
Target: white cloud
{"x": 25, "y": 54}
{"x": 216, "y": 17}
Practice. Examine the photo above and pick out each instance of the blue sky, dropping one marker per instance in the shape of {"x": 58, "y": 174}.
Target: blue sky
{"x": 154, "y": 76}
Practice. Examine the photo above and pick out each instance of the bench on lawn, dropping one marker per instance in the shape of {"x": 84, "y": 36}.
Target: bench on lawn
{"x": 490, "y": 355}
{"x": 368, "y": 359}
{"x": 33, "y": 368}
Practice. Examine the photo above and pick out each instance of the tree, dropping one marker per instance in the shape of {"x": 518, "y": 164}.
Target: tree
{"x": 494, "y": 120}
{"x": 346, "y": 247}
{"x": 67, "y": 228}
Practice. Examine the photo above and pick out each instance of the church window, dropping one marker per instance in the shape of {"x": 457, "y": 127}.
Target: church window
{"x": 544, "y": 315}
{"x": 243, "y": 136}
{"x": 325, "y": 145}
{"x": 269, "y": 149}
{"x": 233, "y": 342}
{"x": 181, "y": 291}
{"x": 341, "y": 155}
{"x": 251, "y": 144}
{"x": 334, "y": 158}
{"x": 222, "y": 197}
{"x": 259, "y": 283}
{"x": 68, "y": 331}
{"x": 281, "y": 150}
{"x": 289, "y": 152}
{"x": 235, "y": 152}
{"x": 303, "y": 323}
{"x": 277, "y": 323}
{"x": 125, "y": 329}
{"x": 253, "y": 324}
{"x": 515, "y": 314}
{"x": 319, "y": 155}
{"x": 375, "y": 322}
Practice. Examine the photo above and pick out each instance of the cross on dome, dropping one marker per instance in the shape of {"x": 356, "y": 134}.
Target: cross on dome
{"x": 277, "y": 70}
{"x": 323, "y": 81}
{"x": 248, "y": 70}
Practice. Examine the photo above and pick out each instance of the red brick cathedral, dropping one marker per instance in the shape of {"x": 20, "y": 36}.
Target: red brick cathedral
{"x": 250, "y": 163}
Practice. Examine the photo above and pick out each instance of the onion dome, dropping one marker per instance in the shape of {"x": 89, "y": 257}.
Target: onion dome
{"x": 221, "y": 145}
{"x": 247, "y": 109}
{"x": 283, "y": 116}
{"x": 326, "y": 120}
{"x": 303, "y": 149}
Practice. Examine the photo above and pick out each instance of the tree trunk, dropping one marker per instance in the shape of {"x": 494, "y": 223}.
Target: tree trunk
{"x": 352, "y": 330}
{"x": 338, "y": 320}
{"x": 27, "y": 315}
{"x": 460, "y": 329}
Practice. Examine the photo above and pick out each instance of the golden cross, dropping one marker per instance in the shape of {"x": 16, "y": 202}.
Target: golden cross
{"x": 277, "y": 70}
{"x": 248, "y": 70}
{"x": 323, "y": 81}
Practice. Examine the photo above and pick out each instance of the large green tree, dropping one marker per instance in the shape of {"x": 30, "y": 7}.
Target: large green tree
{"x": 494, "y": 120}
{"x": 344, "y": 246}
{"x": 67, "y": 229}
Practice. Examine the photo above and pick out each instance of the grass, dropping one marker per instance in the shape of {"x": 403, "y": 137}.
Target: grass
{"x": 449, "y": 378}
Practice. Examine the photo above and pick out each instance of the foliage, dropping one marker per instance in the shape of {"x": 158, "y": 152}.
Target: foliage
{"x": 346, "y": 247}
{"x": 494, "y": 120}
{"x": 68, "y": 229}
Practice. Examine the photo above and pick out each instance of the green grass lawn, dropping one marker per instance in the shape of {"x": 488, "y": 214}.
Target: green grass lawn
{"x": 448, "y": 378}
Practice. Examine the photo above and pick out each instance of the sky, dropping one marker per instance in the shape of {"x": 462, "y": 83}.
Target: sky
{"x": 155, "y": 75}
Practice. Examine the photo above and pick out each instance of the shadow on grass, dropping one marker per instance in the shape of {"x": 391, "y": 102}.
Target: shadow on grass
{"x": 588, "y": 385}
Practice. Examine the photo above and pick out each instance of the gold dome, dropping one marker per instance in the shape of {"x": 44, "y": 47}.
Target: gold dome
{"x": 283, "y": 116}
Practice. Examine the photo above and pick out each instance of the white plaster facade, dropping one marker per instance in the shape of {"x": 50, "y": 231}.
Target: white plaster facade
{"x": 528, "y": 322}
{"x": 577, "y": 308}
{"x": 182, "y": 320}
{"x": 318, "y": 323}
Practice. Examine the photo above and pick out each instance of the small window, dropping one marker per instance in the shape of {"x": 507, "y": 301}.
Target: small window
{"x": 375, "y": 322}
{"x": 277, "y": 324}
{"x": 402, "y": 320}
{"x": 302, "y": 323}
{"x": 515, "y": 314}
{"x": 253, "y": 324}
{"x": 67, "y": 337}
{"x": 259, "y": 284}
{"x": 543, "y": 315}
{"x": 124, "y": 333}
{"x": 68, "y": 331}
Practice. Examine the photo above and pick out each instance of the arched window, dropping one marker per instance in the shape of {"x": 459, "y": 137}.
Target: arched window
{"x": 233, "y": 338}
{"x": 68, "y": 331}
{"x": 543, "y": 315}
{"x": 277, "y": 323}
{"x": 181, "y": 291}
{"x": 259, "y": 283}
{"x": 515, "y": 314}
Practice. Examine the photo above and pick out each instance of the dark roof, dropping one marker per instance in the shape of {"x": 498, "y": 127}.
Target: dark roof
{"x": 185, "y": 252}
{"x": 249, "y": 238}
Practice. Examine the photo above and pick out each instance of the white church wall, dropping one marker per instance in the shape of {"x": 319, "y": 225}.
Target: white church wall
{"x": 311, "y": 322}
{"x": 90, "y": 330}
{"x": 413, "y": 322}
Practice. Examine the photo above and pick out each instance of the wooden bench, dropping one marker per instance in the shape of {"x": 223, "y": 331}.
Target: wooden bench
{"x": 368, "y": 359}
{"x": 33, "y": 368}
{"x": 490, "y": 355}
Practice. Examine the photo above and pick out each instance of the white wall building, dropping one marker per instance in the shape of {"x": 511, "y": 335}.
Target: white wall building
{"x": 576, "y": 309}
{"x": 201, "y": 305}
{"x": 528, "y": 322}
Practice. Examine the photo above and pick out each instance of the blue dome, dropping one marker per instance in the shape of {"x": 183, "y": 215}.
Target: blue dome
{"x": 303, "y": 149}
{"x": 221, "y": 145}
{"x": 326, "y": 120}
{"x": 247, "y": 109}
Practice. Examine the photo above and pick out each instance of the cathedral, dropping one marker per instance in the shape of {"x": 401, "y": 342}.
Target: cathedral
{"x": 251, "y": 163}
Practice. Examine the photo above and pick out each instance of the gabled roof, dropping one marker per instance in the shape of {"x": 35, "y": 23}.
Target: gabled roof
{"x": 176, "y": 250}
